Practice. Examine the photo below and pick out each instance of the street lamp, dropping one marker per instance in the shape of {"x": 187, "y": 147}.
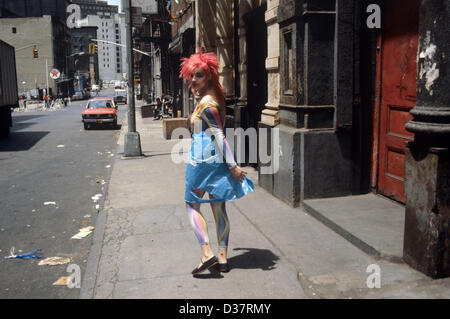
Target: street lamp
{"x": 132, "y": 147}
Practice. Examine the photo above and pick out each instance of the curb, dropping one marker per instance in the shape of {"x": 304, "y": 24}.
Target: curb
{"x": 90, "y": 274}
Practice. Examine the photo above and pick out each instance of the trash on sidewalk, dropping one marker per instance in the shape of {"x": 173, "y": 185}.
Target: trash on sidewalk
{"x": 108, "y": 166}
{"x": 62, "y": 281}
{"x": 52, "y": 261}
{"x": 83, "y": 232}
{"x": 59, "y": 146}
{"x": 28, "y": 255}
{"x": 100, "y": 181}
{"x": 49, "y": 203}
{"x": 96, "y": 197}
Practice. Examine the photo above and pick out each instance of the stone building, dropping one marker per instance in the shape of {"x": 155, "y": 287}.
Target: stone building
{"x": 356, "y": 93}
{"x": 39, "y": 25}
{"x": 110, "y": 31}
{"x": 152, "y": 36}
{"x": 182, "y": 45}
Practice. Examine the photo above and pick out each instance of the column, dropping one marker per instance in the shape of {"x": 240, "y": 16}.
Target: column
{"x": 271, "y": 114}
{"x": 427, "y": 165}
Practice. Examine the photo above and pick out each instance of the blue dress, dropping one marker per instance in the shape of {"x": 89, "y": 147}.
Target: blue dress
{"x": 209, "y": 165}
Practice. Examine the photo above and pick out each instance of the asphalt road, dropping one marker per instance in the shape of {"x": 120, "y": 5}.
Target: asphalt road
{"x": 49, "y": 157}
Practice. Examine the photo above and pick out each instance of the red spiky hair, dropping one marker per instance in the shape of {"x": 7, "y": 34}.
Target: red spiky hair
{"x": 208, "y": 62}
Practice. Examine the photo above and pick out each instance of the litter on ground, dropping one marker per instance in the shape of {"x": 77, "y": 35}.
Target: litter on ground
{"x": 29, "y": 255}
{"x": 52, "y": 261}
{"x": 96, "y": 197}
{"x": 62, "y": 281}
{"x": 83, "y": 232}
{"x": 49, "y": 203}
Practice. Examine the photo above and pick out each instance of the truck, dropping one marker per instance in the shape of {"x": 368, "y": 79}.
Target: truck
{"x": 9, "y": 98}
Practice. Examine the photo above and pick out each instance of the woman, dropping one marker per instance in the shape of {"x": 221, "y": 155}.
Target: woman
{"x": 212, "y": 168}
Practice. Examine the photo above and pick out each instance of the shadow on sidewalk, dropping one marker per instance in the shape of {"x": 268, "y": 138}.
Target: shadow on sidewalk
{"x": 252, "y": 258}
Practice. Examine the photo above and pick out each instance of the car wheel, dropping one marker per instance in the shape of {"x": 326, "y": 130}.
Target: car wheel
{"x": 86, "y": 126}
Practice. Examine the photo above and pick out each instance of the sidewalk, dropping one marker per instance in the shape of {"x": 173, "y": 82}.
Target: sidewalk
{"x": 144, "y": 246}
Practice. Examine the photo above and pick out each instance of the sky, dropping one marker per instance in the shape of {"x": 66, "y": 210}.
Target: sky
{"x": 115, "y": 2}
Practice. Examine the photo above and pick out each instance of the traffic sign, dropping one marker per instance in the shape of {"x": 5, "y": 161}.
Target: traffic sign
{"x": 55, "y": 74}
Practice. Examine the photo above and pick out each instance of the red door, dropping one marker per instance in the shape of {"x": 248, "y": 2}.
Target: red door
{"x": 398, "y": 92}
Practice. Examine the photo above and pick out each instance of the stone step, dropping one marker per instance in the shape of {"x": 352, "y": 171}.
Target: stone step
{"x": 371, "y": 222}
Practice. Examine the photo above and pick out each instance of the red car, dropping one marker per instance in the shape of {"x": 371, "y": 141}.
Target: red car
{"x": 99, "y": 111}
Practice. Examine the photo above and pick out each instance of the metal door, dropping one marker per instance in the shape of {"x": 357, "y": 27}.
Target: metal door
{"x": 398, "y": 92}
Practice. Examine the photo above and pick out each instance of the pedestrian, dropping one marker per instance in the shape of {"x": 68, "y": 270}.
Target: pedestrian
{"x": 45, "y": 101}
{"x": 157, "y": 108}
{"x": 212, "y": 168}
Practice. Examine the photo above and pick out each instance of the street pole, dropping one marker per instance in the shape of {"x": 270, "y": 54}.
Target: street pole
{"x": 46, "y": 77}
{"x": 67, "y": 78}
{"x": 132, "y": 139}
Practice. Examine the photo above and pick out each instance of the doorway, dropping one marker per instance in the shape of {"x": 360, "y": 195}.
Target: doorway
{"x": 256, "y": 40}
{"x": 397, "y": 82}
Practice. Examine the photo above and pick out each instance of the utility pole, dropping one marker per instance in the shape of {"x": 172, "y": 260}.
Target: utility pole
{"x": 46, "y": 76}
{"x": 132, "y": 139}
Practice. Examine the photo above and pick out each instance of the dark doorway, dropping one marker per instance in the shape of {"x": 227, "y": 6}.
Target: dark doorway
{"x": 256, "y": 38}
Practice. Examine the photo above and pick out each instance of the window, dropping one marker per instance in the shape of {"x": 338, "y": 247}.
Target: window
{"x": 14, "y": 30}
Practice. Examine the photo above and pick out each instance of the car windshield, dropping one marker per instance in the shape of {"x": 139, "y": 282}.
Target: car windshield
{"x": 121, "y": 93}
{"x": 97, "y": 104}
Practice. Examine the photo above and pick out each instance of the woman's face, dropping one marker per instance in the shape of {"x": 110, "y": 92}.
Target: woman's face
{"x": 199, "y": 80}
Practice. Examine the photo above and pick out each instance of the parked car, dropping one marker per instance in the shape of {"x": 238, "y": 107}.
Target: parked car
{"x": 99, "y": 111}
{"x": 120, "y": 96}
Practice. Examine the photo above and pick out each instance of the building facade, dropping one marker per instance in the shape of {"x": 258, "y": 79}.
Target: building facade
{"x": 152, "y": 35}
{"x": 110, "y": 36}
{"x": 41, "y": 25}
{"x": 95, "y": 7}
{"x": 355, "y": 92}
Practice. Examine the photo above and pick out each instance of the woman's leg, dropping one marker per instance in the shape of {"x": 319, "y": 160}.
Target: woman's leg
{"x": 200, "y": 227}
{"x": 222, "y": 228}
